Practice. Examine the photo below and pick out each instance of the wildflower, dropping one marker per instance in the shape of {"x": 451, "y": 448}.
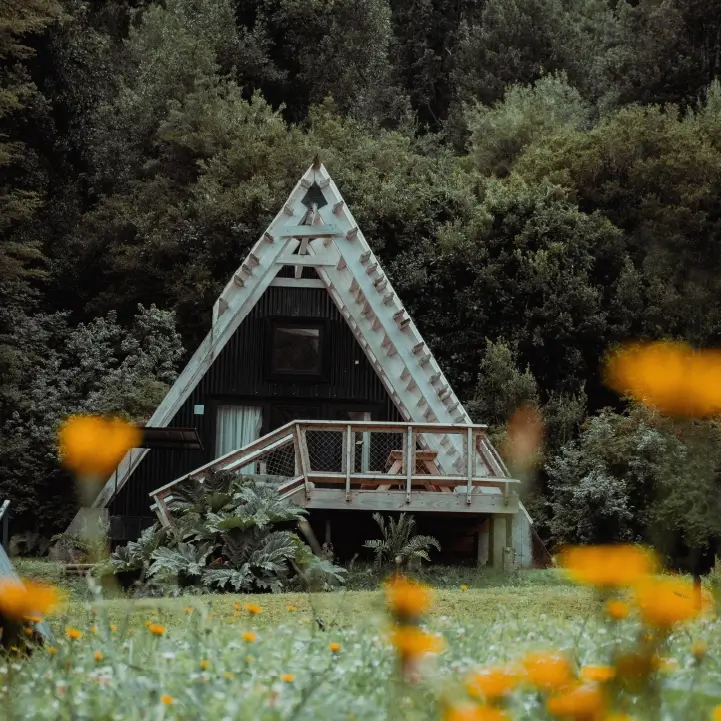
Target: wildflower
{"x": 492, "y": 683}
{"x": 287, "y": 677}
{"x": 334, "y": 647}
{"x": 166, "y": 699}
{"x": 98, "y": 655}
{"x": 253, "y": 609}
{"x": 28, "y": 631}
{"x": 716, "y": 713}
{"x": 472, "y": 712}
{"x": 464, "y": 587}
{"x": 600, "y": 674}
{"x": 617, "y": 610}
{"x": 249, "y": 636}
{"x": 93, "y": 629}
{"x": 93, "y": 445}
{"x": 33, "y": 619}
{"x": 73, "y": 634}
{"x": 228, "y": 674}
{"x": 156, "y": 629}
{"x": 113, "y": 628}
{"x": 671, "y": 377}
{"x": 407, "y": 599}
{"x": 238, "y": 607}
{"x": 664, "y": 602}
{"x": 292, "y": 608}
{"x": 607, "y": 566}
{"x": 52, "y": 650}
{"x": 547, "y": 670}
{"x": 204, "y": 665}
{"x": 249, "y": 659}
{"x": 582, "y": 703}
{"x": 698, "y": 649}
{"x": 411, "y": 642}
{"x": 23, "y": 599}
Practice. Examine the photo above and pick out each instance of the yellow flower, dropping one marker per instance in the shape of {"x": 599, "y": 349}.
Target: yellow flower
{"x": 716, "y": 713}
{"x": 188, "y": 610}
{"x": 406, "y": 598}
{"x": 464, "y": 587}
{"x": 664, "y": 602}
{"x": 113, "y": 628}
{"x": 52, "y": 650}
{"x": 607, "y": 566}
{"x": 28, "y": 631}
{"x": 228, "y": 674}
{"x": 666, "y": 665}
{"x": 204, "y": 665}
{"x": 94, "y": 445}
{"x": 292, "y": 608}
{"x": 166, "y": 699}
{"x": 599, "y": 674}
{"x": 249, "y": 659}
{"x": 73, "y": 634}
{"x": 472, "y": 712}
{"x": 98, "y": 655}
{"x": 492, "y": 683}
{"x": 547, "y": 670}
{"x": 287, "y": 677}
{"x": 617, "y": 610}
{"x": 582, "y": 703}
{"x": 334, "y": 647}
{"x": 698, "y": 649}
{"x": 253, "y": 609}
{"x": 671, "y": 377}
{"x": 93, "y": 629}
{"x": 22, "y": 599}
{"x": 156, "y": 629}
{"x": 411, "y": 642}
{"x": 249, "y": 636}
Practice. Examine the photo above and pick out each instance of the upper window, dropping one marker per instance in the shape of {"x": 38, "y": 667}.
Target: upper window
{"x": 297, "y": 350}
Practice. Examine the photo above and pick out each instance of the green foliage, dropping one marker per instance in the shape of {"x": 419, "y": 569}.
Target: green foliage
{"x": 399, "y": 545}
{"x": 225, "y": 536}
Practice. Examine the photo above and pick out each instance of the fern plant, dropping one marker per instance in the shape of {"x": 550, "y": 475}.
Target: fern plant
{"x": 399, "y": 543}
{"x": 226, "y": 536}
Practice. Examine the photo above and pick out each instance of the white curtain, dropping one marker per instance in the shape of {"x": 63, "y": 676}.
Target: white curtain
{"x": 236, "y": 426}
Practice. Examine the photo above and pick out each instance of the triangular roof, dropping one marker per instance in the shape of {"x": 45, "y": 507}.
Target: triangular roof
{"x": 315, "y": 228}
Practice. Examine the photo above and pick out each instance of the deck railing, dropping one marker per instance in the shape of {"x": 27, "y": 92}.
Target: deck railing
{"x": 362, "y": 455}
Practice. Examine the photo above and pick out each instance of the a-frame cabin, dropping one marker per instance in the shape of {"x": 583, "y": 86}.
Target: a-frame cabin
{"x": 309, "y": 329}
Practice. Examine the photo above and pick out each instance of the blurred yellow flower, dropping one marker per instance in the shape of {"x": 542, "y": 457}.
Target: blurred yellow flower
{"x": 287, "y": 677}
{"x": 93, "y": 629}
{"x": 599, "y": 674}
{"x": 582, "y": 703}
{"x": 699, "y": 649}
{"x": 664, "y": 602}
{"x": 52, "y": 650}
{"x": 166, "y": 699}
{"x": 464, "y": 587}
{"x": 411, "y": 641}
{"x": 617, "y": 610}
{"x": 94, "y": 445}
{"x": 228, "y": 674}
{"x": 26, "y": 599}
{"x": 249, "y": 636}
{"x": 98, "y": 655}
{"x": 492, "y": 683}
{"x": 253, "y": 609}
{"x": 188, "y": 610}
{"x": 547, "y": 670}
{"x": 291, "y": 607}
{"x": 156, "y": 629}
{"x": 406, "y": 598}
{"x": 204, "y": 665}
{"x": 716, "y": 713}
{"x": 669, "y": 376}
{"x": 607, "y": 566}
{"x": 73, "y": 634}
{"x": 113, "y": 628}
{"x": 334, "y": 647}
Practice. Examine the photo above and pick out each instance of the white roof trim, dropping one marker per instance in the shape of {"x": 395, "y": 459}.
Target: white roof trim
{"x": 350, "y": 272}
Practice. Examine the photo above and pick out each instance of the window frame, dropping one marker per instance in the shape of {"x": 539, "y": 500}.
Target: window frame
{"x": 319, "y": 376}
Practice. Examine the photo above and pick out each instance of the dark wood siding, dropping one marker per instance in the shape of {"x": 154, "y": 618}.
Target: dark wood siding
{"x": 240, "y": 374}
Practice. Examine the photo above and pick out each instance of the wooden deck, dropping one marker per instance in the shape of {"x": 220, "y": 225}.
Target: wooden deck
{"x": 429, "y": 467}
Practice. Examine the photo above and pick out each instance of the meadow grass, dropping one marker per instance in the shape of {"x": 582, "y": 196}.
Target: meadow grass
{"x": 204, "y": 666}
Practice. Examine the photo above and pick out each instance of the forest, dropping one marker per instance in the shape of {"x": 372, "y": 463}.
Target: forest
{"x": 541, "y": 180}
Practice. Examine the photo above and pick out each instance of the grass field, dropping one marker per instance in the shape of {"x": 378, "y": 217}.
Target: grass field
{"x": 204, "y": 665}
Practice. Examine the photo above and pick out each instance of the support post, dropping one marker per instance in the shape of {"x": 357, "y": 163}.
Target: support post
{"x": 499, "y": 540}
{"x": 469, "y": 464}
{"x": 348, "y": 459}
{"x": 300, "y": 440}
{"x": 410, "y": 462}
{"x": 327, "y": 530}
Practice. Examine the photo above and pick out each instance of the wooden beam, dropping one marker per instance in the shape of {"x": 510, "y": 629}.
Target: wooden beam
{"x": 297, "y": 283}
{"x": 308, "y": 260}
{"x": 310, "y": 231}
